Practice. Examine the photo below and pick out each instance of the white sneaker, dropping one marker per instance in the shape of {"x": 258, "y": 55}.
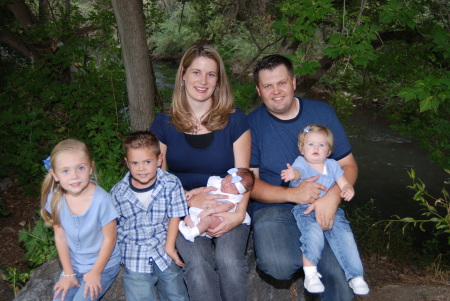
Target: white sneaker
{"x": 359, "y": 286}
{"x": 313, "y": 284}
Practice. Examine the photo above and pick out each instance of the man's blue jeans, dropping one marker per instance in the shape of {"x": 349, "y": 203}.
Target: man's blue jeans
{"x": 340, "y": 239}
{"x": 216, "y": 269}
{"x": 141, "y": 286}
{"x": 276, "y": 239}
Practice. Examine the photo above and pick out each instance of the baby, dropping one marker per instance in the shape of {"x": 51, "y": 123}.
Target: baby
{"x": 235, "y": 184}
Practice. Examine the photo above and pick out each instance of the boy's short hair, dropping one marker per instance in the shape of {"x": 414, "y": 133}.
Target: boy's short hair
{"x": 271, "y": 62}
{"x": 141, "y": 139}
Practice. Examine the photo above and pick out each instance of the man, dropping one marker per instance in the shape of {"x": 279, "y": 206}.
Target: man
{"x": 275, "y": 126}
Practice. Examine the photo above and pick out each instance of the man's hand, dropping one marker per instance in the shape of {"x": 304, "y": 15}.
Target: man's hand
{"x": 307, "y": 192}
{"x": 326, "y": 208}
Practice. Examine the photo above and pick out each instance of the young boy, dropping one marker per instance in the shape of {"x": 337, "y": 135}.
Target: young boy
{"x": 150, "y": 202}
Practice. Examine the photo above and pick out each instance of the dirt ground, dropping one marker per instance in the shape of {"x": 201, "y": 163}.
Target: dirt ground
{"x": 387, "y": 282}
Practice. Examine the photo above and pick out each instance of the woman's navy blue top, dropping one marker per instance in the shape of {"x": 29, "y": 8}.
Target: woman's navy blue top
{"x": 193, "y": 166}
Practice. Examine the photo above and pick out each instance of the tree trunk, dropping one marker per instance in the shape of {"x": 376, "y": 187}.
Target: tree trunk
{"x": 139, "y": 72}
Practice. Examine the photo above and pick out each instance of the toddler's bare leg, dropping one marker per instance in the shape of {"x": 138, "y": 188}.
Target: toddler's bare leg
{"x": 208, "y": 222}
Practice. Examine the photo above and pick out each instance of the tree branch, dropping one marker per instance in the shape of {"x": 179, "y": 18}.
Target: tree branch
{"x": 19, "y": 45}
{"x": 22, "y": 13}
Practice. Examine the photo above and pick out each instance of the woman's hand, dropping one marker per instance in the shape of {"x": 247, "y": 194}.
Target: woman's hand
{"x": 93, "y": 284}
{"x": 230, "y": 220}
{"x": 63, "y": 285}
{"x": 204, "y": 200}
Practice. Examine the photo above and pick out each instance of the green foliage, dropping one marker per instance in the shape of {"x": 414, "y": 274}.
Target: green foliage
{"x": 201, "y": 21}
{"x": 357, "y": 46}
{"x": 243, "y": 95}
{"x": 107, "y": 146}
{"x": 77, "y": 91}
{"x": 343, "y": 105}
{"x": 400, "y": 13}
{"x": 39, "y": 243}
{"x": 372, "y": 239}
{"x": 434, "y": 210}
{"x": 301, "y": 18}
{"x": 17, "y": 278}
{"x": 430, "y": 91}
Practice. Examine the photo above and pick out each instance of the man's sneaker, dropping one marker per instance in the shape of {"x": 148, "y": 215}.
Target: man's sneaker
{"x": 359, "y": 286}
{"x": 313, "y": 284}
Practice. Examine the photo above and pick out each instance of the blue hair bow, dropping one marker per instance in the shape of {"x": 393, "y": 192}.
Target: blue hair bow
{"x": 46, "y": 163}
{"x": 235, "y": 178}
{"x": 306, "y": 130}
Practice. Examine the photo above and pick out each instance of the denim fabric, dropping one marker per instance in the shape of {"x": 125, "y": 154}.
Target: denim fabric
{"x": 76, "y": 293}
{"x": 142, "y": 286}
{"x": 340, "y": 238}
{"x": 216, "y": 269}
{"x": 278, "y": 252}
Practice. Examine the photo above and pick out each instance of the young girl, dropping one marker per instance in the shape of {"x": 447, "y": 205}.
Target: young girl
{"x": 84, "y": 221}
{"x": 315, "y": 143}
{"x": 235, "y": 184}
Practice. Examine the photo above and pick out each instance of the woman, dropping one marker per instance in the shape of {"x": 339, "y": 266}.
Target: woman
{"x": 201, "y": 135}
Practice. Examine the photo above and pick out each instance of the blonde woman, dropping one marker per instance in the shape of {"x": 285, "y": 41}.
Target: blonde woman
{"x": 201, "y": 135}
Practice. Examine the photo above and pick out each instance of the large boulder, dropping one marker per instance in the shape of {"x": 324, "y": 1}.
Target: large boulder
{"x": 261, "y": 286}
{"x": 42, "y": 280}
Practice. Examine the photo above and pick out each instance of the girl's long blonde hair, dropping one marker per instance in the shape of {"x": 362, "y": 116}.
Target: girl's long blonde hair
{"x": 51, "y": 186}
{"x": 222, "y": 98}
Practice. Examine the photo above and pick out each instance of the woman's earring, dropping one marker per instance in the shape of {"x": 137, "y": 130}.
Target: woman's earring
{"x": 182, "y": 83}
{"x": 218, "y": 87}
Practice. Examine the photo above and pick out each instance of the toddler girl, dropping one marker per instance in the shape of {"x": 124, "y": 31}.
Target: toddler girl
{"x": 315, "y": 143}
{"x": 84, "y": 221}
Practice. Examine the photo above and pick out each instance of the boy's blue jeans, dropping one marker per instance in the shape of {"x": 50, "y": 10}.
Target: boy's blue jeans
{"x": 142, "y": 286}
{"x": 76, "y": 293}
{"x": 278, "y": 254}
{"x": 340, "y": 238}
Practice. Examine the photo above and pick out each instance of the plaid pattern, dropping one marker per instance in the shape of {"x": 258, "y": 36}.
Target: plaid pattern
{"x": 141, "y": 232}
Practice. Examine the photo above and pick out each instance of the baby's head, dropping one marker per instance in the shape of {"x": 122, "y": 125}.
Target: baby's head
{"x": 238, "y": 181}
{"x": 321, "y": 133}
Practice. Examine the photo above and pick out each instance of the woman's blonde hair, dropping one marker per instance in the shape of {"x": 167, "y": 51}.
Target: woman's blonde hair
{"x": 315, "y": 128}
{"x": 222, "y": 98}
{"x": 51, "y": 186}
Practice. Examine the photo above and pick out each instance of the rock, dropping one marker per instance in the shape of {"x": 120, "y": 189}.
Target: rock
{"x": 6, "y": 291}
{"x": 39, "y": 287}
{"x": 42, "y": 280}
{"x": 261, "y": 286}
{"x": 5, "y": 183}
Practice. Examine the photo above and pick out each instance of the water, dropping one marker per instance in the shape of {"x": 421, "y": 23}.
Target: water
{"x": 384, "y": 159}
{"x": 165, "y": 74}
